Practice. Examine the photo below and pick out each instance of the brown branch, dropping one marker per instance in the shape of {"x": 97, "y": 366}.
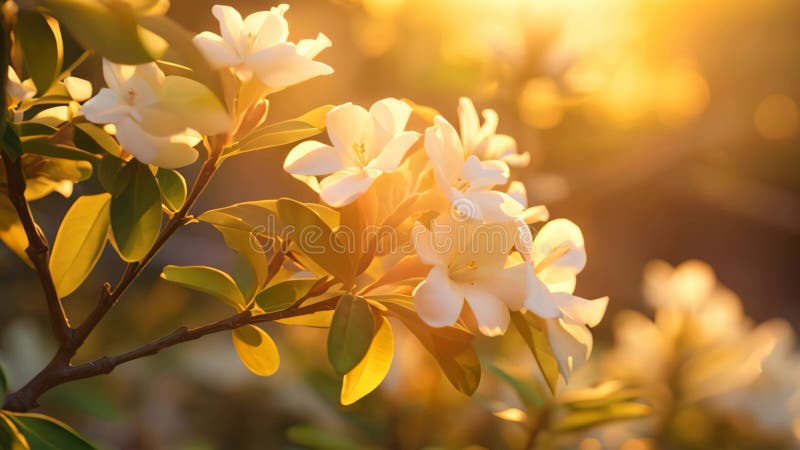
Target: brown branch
{"x": 38, "y": 250}
{"x": 109, "y": 297}
{"x": 57, "y": 373}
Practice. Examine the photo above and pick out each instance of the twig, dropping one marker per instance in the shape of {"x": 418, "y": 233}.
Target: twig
{"x": 56, "y": 374}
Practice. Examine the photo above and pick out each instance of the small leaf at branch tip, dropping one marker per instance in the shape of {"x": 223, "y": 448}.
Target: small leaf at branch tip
{"x": 208, "y": 280}
{"x": 257, "y": 350}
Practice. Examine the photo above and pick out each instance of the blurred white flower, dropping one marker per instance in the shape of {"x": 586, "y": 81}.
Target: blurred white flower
{"x": 257, "y": 46}
{"x": 480, "y": 139}
{"x": 365, "y": 145}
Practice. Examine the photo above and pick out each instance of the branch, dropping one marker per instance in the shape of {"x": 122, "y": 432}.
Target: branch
{"x": 109, "y": 297}
{"x": 55, "y": 374}
{"x": 38, "y": 250}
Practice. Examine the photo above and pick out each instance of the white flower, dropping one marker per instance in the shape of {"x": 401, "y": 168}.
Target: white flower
{"x": 256, "y": 46}
{"x": 365, "y": 145}
{"x": 150, "y": 113}
{"x": 558, "y": 256}
{"x": 78, "y": 88}
{"x": 19, "y": 90}
{"x": 467, "y": 181}
{"x": 481, "y": 140}
{"x": 470, "y": 262}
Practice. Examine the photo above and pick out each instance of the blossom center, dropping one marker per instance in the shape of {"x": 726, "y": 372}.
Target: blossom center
{"x": 131, "y": 96}
{"x": 360, "y": 152}
{"x": 461, "y": 184}
{"x": 461, "y": 271}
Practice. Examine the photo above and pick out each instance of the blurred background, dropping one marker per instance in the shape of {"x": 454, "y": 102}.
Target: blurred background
{"x": 664, "y": 129}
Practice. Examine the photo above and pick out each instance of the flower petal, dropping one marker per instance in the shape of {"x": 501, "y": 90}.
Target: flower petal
{"x": 344, "y": 186}
{"x": 468, "y": 123}
{"x": 437, "y": 299}
{"x": 559, "y": 243}
{"x": 313, "y": 158}
{"x": 230, "y": 26}
{"x": 169, "y": 152}
{"x": 571, "y": 344}
{"x": 310, "y": 48}
{"x": 490, "y": 312}
{"x": 394, "y": 151}
{"x": 105, "y": 107}
{"x": 484, "y": 174}
{"x": 493, "y": 206}
{"x": 281, "y": 65}
{"x": 425, "y": 245}
{"x": 268, "y": 28}
{"x": 538, "y": 298}
{"x": 216, "y": 51}
{"x": 390, "y": 116}
{"x": 78, "y": 88}
{"x": 444, "y": 150}
{"x": 581, "y": 310}
{"x": 349, "y": 125}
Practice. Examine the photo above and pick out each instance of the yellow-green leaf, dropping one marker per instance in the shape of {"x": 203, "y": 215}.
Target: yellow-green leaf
{"x": 370, "y": 372}
{"x": 109, "y": 28}
{"x": 42, "y": 47}
{"x": 46, "y": 433}
{"x": 282, "y": 133}
{"x": 351, "y": 333}
{"x": 208, "y": 280}
{"x": 194, "y": 103}
{"x": 41, "y": 145}
{"x": 79, "y": 242}
{"x": 256, "y": 350}
{"x": 173, "y": 188}
{"x": 534, "y": 332}
{"x": 135, "y": 211}
{"x": 282, "y": 295}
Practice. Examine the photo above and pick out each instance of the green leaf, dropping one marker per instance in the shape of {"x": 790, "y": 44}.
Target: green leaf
{"x": 533, "y": 330}
{"x": 42, "y": 47}
{"x": 313, "y": 241}
{"x": 79, "y": 242}
{"x": 261, "y": 216}
{"x": 41, "y": 145}
{"x": 282, "y": 133}
{"x": 319, "y": 319}
{"x": 108, "y": 173}
{"x": 46, "y": 433}
{"x": 135, "y": 211}
{"x": 208, "y": 280}
{"x": 256, "y": 350}
{"x": 282, "y": 295}
{"x": 527, "y": 392}
{"x": 109, "y": 28}
{"x": 11, "y": 143}
{"x": 351, "y": 333}
{"x": 92, "y": 137}
{"x": 370, "y": 372}
{"x": 451, "y": 347}
{"x": 585, "y": 418}
{"x": 173, "y": 188}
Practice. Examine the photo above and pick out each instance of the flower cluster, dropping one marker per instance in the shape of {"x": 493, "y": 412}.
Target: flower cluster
{"x": 474, "y": 238}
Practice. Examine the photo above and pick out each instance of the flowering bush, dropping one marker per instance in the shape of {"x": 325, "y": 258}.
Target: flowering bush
{"x": 418, "y": 221}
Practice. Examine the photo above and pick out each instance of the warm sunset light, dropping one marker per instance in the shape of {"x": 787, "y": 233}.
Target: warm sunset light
{"x": 399, "y": 224}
